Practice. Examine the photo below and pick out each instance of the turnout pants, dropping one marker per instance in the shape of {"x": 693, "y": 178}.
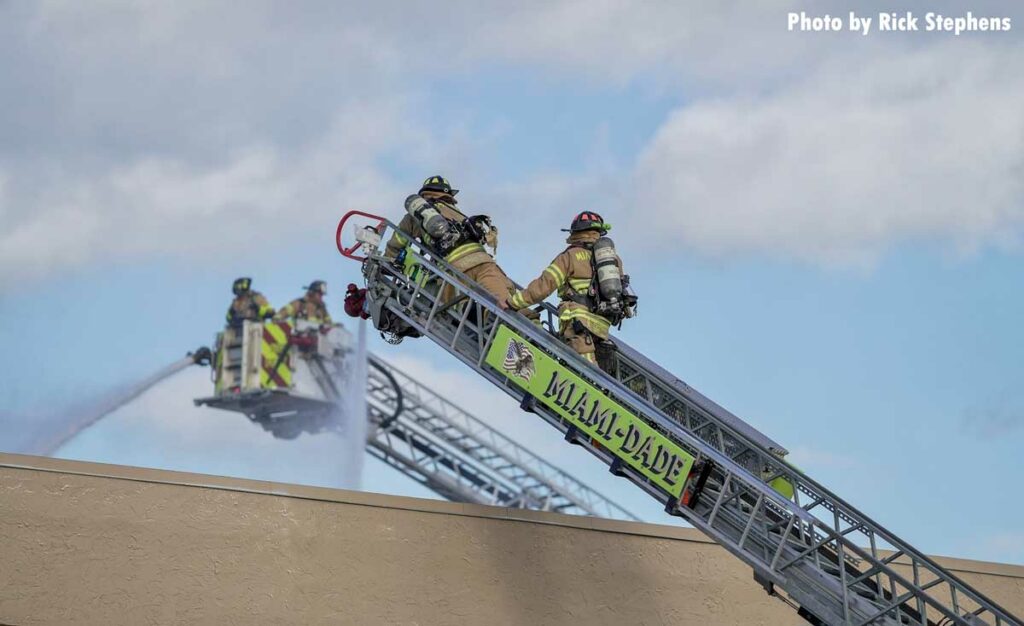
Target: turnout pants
{"x": 579, "y": 339}
{"x": 492, "y": 279}
{"x": 489, "y": 276}
{"x": 593, "y": 349}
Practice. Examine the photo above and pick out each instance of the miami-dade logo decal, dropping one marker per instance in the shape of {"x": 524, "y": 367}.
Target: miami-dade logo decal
{"x": 519, "y": 360}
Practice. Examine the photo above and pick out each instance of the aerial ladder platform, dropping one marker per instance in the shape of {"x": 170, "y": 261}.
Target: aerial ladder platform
{"x": 289, "y": 378}
{"x": 805, "y": 544}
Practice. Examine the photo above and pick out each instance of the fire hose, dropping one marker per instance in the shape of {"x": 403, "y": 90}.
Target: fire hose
{"x": 399, "y": 400}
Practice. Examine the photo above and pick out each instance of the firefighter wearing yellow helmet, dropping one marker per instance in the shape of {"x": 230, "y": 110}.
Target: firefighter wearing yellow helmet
{"x": 593, "y": 289}
{"x": 248, "y": 304}
{"x": 432, "y": 217}
{"x": 310, "y": 307}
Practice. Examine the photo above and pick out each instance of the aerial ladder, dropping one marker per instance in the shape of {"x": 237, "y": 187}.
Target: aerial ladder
{"x": 289, "y": 378}
{"x": 805, "y": 545}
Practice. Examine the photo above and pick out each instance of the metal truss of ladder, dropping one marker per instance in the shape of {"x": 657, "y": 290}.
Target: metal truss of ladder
{"x": 437, "y": 444}
{"x": 814, "y": 550}
{"x": 456, "y": 455}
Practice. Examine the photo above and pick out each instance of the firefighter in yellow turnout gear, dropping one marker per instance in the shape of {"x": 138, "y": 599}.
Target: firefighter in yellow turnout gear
{"x": 309, "y": 307}
{"x": 586, "y": 312}
{"x": 432, "y": 217}
{"x": 248, "y": 304}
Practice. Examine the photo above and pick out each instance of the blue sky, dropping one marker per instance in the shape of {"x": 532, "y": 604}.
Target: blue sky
{"x": 837, "y": 261}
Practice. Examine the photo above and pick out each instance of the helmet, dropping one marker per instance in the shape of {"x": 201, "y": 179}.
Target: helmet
{"x": 438, "y": 183}
{"x": 587, "y": 220}
{"x": 318, "y": 286}
{"x": 241, "y": 285}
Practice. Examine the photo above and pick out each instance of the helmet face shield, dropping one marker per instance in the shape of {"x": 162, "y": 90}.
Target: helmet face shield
{"x": 241, "y": 285}
{"x": 587, "y": 220}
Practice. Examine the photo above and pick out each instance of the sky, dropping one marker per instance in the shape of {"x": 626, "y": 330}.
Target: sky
{"x": 825, "y": 229}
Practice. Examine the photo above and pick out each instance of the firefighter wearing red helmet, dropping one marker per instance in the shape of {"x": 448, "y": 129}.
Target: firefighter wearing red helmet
{"x": 593, "y": 289}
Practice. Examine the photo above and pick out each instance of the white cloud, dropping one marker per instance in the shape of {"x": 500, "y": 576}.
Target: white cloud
{"x": 173, "y": 206}
{"x": 677, "y": 44}
{"x": 191, "y": 129}
{"x": 185, "y": 129}
{"x": 849, "y": 160}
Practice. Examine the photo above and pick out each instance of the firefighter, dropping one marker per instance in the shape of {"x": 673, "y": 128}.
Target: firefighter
{"x": 248, "y": 304}
{"x": 462, "y": 243}
{"x": 309, "y": 307}
{"x": 594, "y": 291}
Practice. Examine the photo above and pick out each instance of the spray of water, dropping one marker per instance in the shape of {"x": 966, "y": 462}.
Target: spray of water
{"x": 70, "y": 422}
{"x": 353, "y": 413}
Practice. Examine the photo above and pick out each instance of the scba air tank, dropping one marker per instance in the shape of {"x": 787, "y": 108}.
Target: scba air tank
{"x": 609, "y": 278}
{"x": 424, "y": 212}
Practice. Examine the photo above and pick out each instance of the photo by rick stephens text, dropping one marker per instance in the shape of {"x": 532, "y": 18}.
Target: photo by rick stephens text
{"x": 903, "y": 21}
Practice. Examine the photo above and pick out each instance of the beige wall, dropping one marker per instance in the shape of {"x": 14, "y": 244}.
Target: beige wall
{"x": 101, "y": 544}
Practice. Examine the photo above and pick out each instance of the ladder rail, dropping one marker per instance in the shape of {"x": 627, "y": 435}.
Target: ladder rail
{"x": 463, "y": 469}
{"x": 554, "y": 479}
{"x": 434, "y": 454}
{"x": 765, "y": 453}
{"x": 406, "y": 301}
{"x": 483, "y": 467}
{"x": 415, "y": 470}
{"x": 716, "y": 533}
{"x": 533, "y": 487}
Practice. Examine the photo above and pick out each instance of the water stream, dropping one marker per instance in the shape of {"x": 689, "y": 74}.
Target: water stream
{"x": 353, "y": 413}
{"x": 70, "y": 422}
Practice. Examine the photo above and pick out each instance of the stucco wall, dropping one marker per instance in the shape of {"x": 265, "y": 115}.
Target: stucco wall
{"x": 100, "y": 544}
